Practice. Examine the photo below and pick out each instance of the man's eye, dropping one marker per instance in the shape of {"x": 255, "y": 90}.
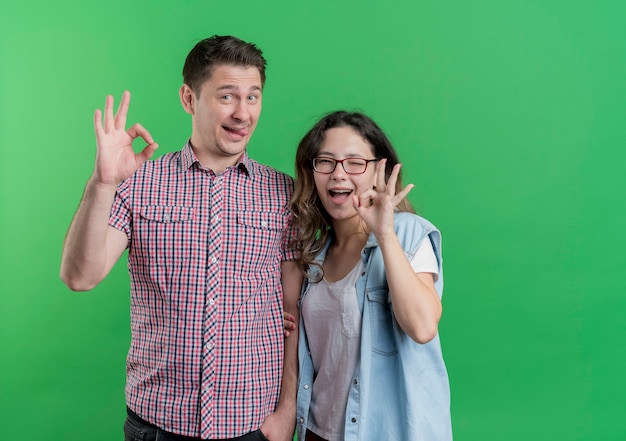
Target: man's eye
{"x": 227, "y": 97}
{"x": 253, "y": 98}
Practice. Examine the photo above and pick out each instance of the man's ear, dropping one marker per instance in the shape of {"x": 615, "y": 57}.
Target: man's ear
{"x": 187, "y": 98}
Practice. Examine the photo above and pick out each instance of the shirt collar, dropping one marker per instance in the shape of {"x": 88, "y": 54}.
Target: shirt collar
{"x": 188, "y": 158}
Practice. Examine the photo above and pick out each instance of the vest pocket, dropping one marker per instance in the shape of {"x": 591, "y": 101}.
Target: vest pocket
{"x": 381, "y": 322}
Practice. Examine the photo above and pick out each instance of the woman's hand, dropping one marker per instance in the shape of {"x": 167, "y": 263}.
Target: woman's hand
{"x": 376, "y": 206}
{"x": 289, "y": 322}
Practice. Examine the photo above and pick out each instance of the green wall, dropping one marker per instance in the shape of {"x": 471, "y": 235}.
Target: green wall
{"x": 509, "y": 117}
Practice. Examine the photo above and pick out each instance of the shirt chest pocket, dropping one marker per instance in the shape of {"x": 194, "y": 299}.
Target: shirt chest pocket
{"x": 166, "y": 214}
{"x": 165, "y": 232}
{"x": 259, "y": 237}
{"x": 262, "y": 220}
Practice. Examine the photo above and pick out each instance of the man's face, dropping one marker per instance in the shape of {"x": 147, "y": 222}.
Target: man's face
{"x": 224, "y": 114}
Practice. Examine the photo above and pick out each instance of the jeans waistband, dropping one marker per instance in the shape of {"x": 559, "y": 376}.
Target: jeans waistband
{"x": 168, "y": 436}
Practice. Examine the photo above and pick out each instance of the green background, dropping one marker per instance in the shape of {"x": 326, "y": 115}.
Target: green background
{"x": 508, "y": 116}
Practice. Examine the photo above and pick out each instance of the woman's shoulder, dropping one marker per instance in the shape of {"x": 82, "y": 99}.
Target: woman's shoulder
{"x": 412, "y": 229}
{"x": 412, "y": 220}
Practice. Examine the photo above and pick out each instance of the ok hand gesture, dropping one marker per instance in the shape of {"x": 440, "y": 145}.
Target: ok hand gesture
{"x": 376, "y": 206}
{"x": 115, "y": 158}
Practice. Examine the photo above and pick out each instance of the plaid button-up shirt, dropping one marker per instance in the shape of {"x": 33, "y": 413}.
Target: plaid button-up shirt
{"x": 206, "y": 300}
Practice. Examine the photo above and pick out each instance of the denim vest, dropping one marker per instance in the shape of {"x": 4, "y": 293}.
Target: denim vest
{"x": 400, "y": 389}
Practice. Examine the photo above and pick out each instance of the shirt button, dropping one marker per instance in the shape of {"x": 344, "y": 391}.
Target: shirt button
{"x": 263, "y": 224}
{"x": 355, "y": 381}
{"x": 209, "y": 346}
{"x": 211, "y": 302}
{"x": 306, "y": 387}
{"x": 213, "y": 260}
{"x": 353, "y": 420}
{"x": 166, "y": 218}
{"x": 301, "y": 420}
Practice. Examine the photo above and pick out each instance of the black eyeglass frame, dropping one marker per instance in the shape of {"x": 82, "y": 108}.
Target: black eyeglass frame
{"x": 341, "y": 161}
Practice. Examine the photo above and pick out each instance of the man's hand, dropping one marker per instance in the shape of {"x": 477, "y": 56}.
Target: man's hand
{"x": 280, "y": 425}
{"x": 115, "y": 158}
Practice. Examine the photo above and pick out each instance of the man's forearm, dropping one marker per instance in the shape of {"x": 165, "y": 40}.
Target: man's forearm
{"x": 291, "y": 283}
{"x": 280, "y": 425}
{"x": 86, "y": 260}
{"x": 289, "y": 381}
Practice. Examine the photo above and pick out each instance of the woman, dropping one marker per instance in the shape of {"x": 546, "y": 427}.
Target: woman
{"x": 371, "y": 366}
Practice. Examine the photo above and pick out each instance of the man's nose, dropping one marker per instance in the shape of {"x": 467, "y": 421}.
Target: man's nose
{"x": 241, "y": 111}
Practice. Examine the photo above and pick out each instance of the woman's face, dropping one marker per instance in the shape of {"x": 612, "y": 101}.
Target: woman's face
{"x": 336, "y": 189}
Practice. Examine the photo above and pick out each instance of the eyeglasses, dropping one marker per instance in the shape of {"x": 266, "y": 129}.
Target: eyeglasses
{"x": 352, "y": 166}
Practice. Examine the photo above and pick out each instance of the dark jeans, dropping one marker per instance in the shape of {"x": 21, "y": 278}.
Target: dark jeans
{"x": 136, "y": 429}
{"x": 310, "y": 436}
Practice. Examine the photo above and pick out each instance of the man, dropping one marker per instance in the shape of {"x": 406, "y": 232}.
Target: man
{"x": 207, "y": 230}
